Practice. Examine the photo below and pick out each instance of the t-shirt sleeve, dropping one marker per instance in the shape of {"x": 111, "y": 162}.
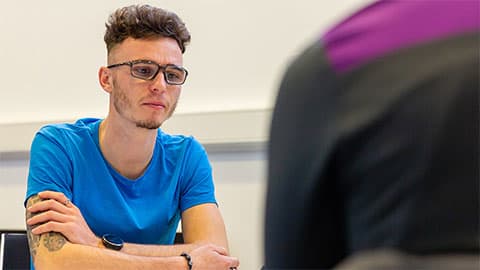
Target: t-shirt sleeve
{"x": 50, "y": 167}
{"x": 197, "y": 183}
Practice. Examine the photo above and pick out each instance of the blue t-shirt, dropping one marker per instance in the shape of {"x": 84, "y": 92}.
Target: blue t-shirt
{"x": 67, "y": 158}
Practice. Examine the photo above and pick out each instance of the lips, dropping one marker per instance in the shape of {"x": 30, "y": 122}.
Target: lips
{"x": 155, "y": 104}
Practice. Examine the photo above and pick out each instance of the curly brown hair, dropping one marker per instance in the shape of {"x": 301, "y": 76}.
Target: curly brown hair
{"x": 144, "y": 21}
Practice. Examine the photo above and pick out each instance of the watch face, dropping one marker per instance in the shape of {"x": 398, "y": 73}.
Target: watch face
{"x": 112, "y": 241}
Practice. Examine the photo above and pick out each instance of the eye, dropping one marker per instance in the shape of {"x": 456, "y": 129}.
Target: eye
{"x": 143, "y": 70}
{"x": 174, "y": 75}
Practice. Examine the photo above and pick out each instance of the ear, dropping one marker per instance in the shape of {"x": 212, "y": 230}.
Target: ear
{"x": 105, "y": 79}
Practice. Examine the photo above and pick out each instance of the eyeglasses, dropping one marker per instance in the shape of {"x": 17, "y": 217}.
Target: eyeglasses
{"x": 148, "y": 70}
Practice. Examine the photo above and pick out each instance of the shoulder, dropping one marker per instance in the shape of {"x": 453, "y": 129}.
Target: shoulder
{"x": 61, "y": 131}
{"x": 176, "y": 140}
{"x": 387, "y": 26}
{"x": 179, "y": 144}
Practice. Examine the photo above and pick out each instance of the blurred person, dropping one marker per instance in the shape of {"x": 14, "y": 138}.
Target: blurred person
{"x": 109, "y": 193}
{"x": 374, "y": 142}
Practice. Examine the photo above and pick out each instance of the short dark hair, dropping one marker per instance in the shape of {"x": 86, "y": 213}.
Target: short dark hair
{"x": 144, "y": 21}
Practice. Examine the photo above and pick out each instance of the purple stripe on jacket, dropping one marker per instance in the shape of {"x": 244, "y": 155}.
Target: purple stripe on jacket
{"x": 386, "y": 26}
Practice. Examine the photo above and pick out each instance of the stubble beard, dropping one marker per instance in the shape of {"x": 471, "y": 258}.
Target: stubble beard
{"x": 151, "y": 124}
{"x": 122, "y": 104}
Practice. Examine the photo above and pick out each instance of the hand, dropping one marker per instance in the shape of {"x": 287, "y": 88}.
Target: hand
{"x": 212, "y": 257}
{"x": 56, "y": 213}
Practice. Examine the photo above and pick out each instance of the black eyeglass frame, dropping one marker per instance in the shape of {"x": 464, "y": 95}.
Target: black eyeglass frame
{"x": 160, "y": 68}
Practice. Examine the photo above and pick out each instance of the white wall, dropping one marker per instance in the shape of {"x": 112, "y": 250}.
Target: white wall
{"x": 51, "y": 51}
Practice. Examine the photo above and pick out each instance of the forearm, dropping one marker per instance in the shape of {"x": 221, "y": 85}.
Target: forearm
{"x": 157, "y": 250}
{"x": 74, "y": 256}
{"x": 204, "y": 224}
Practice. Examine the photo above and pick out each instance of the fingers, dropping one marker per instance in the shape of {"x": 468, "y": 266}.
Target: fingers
{"x": 231, "y": 262}
{"x": 46, "y": 217}
{"x": 220, "y": 250}
{"x": 49, "y": 211}
{"x": 51, "y": 226}
{"x": 51, "y": 200}
{"x": 58, "y": 196}
{"x": 209, "y": 256}
{"x": 49, "y": 204}
{"x": 234, "y": 263}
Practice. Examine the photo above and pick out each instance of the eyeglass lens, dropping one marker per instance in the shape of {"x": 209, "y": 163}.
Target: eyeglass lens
{"x": 148, "y": 71}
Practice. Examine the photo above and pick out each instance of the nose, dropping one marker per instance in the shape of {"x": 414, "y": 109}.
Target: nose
{"x": 158, "y": 84}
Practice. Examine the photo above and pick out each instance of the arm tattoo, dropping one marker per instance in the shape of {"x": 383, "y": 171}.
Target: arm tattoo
{"x": 33, "y": 239}
{"x": 52, "y": 241}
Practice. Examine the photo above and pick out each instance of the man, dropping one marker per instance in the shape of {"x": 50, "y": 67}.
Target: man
{"x": 108, "y": 194}
{"x": 374, "y": 142}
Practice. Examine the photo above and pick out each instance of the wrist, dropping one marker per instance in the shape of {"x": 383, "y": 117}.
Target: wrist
{"x": 99, "y": 243}
{"x": 113, "y": 242}
{"x": 188, "y": 260}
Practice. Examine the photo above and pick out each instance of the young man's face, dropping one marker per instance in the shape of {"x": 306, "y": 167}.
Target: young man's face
{"x": 145, "y": 103}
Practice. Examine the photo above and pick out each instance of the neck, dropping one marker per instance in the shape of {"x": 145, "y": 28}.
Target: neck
{"x": 128, "y": 149}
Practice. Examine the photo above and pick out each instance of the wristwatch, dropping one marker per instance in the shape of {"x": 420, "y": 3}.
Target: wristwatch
{"x": 112, "y": 241}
